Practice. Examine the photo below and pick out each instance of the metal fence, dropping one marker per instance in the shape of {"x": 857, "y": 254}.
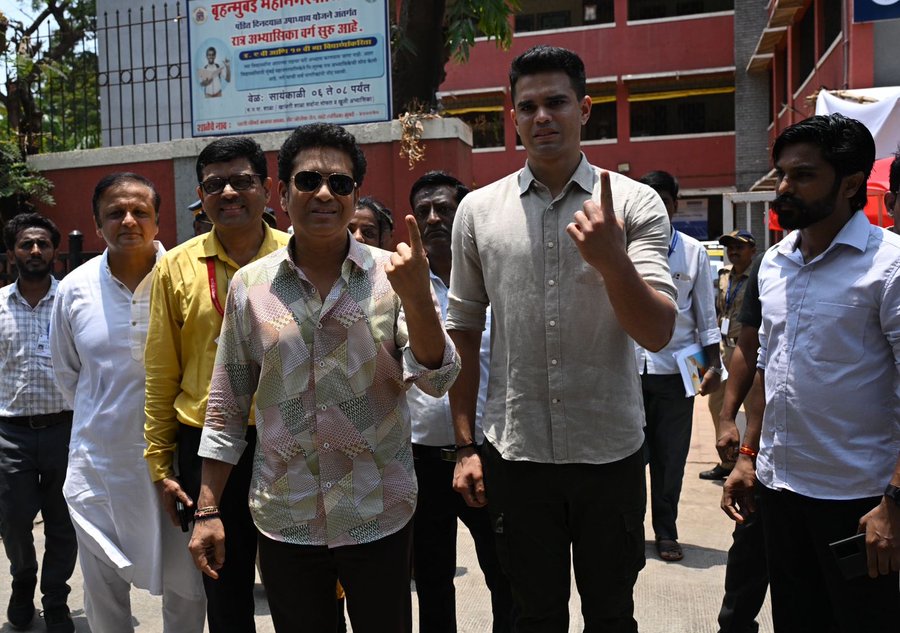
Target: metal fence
{"x": 125, "y": 82}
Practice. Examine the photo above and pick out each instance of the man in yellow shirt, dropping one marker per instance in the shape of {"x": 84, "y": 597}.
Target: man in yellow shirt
{"x": 186, "y": 310}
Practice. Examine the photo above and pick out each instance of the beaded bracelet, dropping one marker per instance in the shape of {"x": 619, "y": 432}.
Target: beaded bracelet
{"x": 746, "y": 450}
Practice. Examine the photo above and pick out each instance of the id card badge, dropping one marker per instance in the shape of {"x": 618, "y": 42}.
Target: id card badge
{"x": 42, "y": 347}
{"x": 726, "y": 322}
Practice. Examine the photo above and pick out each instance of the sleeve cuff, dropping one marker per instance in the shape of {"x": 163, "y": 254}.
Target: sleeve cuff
{"x": 221, "y": 446}
{"x": 434, "y": 382}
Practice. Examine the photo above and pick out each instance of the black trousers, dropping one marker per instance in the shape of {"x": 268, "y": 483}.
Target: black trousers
{"x": 667, "y": 440}
{"x": 541, "y": 512}
{"x": 746, "y": 578}
{"x": 809, "y": 594}
{"x": 229, "y": 600}
{"x": 32, "y": 471}
{"x": 300, "y": 582}
{"x": 434, "y": 547}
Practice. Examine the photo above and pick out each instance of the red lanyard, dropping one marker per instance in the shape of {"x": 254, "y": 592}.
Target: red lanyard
{"x": 213, "y": 286}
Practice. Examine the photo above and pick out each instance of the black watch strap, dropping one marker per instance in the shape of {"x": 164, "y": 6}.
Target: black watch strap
{"x": 893, "y": 492}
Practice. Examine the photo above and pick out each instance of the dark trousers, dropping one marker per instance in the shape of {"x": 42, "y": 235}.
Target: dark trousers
{"x": 809, "y": 594}
{"x": 434, "y": 547}
{"x": 746, "y": 578}
{"x": 667, "y": 440}
{"x": 541, "y": 512}
{"x": 32, "y": 471}
{"x": 300, "y": 582}
{"x": 229, "y": 600}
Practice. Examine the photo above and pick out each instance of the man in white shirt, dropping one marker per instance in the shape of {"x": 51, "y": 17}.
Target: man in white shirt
{"x": 668, "y": 410}
{"x": 97, "y": 336}
{"x": 433, "y": 199}
{"x": 829, "y": 440}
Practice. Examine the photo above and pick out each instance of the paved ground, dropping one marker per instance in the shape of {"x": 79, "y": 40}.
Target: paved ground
{"x": 670, "y": 597}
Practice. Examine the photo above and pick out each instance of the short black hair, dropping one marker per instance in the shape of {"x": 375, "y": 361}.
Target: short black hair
{"x": 118, "y": 178}
{"x": 438, "y": 179}
{"x": 661, "y": 181}
{"x": 320, "y": 135}
{"x": 894, "y": 176}
{"x": 225, "y": 149}
{"x": 29, "y": 221}
{"x": 382, "y": 214}
{"x": 845, "y": 143}
{"x": 543, "y": 59}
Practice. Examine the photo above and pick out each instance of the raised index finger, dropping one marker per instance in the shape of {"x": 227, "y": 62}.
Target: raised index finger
{"x": 606, "y": 198}
{"x": 415, "y": 238}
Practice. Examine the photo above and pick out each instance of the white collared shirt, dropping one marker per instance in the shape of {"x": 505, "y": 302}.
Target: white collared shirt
{"x": 432, "y": 424}
{"x": 696, "y": 319}
{"x": 830, "y": 348}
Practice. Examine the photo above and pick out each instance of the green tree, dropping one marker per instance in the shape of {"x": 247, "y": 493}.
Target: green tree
{"x": 45, "y": 85}
{"x": 429, "y": 33}
{"x": 19, "y": 185}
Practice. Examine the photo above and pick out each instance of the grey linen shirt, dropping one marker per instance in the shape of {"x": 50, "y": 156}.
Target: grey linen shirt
{"x": 564, "y": 385}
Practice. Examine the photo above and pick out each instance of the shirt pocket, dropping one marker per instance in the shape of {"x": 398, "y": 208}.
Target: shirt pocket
{"x": 838, "y": 332}
{"x": 684, "y": 285}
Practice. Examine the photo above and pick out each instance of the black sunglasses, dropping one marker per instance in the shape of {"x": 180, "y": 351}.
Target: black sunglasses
{"x": 238, "y": 182}
{"x": 339, "y": 184}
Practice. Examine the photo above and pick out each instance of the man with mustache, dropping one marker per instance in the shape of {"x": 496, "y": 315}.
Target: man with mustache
{"x": 35, "y": 423}
{"x": 434, "y": 198}
{"x": 824, "y": 459}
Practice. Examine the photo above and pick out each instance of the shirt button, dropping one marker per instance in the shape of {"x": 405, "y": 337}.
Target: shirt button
{"x": 555, "y": 401}
{"x": 327, "y": 485}
{"x": 551, "y": 282}
{"x": 326, "y": 445}
{"x": 549, "y": 244}
{"x": 322, "y": 407}
{"x": 321, "y": 363}
{"x": 552, "y": 323}
{"x": 134, "y": 322}
{"x": 554, "y": 362}
{"x": 318, "y": 326}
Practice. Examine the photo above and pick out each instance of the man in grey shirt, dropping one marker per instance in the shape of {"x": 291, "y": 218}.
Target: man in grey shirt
{"x": 572, "y": 260}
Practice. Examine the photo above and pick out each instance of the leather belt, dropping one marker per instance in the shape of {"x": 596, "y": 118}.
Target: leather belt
{"x": 39, "y": 421}
{"x": 445, "y": 453}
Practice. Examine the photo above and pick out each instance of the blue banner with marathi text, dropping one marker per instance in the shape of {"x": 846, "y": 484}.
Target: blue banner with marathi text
{"x": 265, "y": 65}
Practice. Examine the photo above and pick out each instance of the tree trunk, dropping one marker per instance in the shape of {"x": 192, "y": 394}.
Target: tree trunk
{"x": 420, "y": 55}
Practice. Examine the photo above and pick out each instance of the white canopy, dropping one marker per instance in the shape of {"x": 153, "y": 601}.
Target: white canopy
{"x": 881, "y": 116}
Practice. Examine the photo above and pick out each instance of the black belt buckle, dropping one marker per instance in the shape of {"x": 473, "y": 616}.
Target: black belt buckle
{"x": 449, "y": 454}
{"x": 36, "y": 422}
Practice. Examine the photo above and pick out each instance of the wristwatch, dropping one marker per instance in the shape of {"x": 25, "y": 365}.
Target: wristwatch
{"x": 893, "y": 492}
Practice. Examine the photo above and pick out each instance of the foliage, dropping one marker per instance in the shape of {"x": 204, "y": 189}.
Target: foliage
{"x": 426, "y": 34}
{"x": 43, "y": 86}
{"x": 19, "y": 185}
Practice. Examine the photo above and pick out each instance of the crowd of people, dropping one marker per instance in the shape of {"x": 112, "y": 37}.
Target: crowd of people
{"x": 328, "y": 406}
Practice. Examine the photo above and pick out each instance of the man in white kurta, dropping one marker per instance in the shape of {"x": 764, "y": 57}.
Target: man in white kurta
{"x": 97, "y": 336}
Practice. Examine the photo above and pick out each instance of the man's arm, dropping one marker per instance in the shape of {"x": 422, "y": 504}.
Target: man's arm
{"x": 737, "y": 493}
{"x": 741, "y": 372}
{"x": 64, "y": 356}
{"x": 162, "y": 361}
{"x": 468, "y": 478}
{"x": 704, "y": 308}
{"x": 882, "y": 529}
{"x": 645, "y": 314}
{"x": 207, "y": 544}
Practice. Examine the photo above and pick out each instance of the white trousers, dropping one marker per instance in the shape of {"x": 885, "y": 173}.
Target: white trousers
{"x": 107, "y": 601}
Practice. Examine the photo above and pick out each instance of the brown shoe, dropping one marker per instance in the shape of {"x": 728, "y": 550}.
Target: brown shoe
{"x": 669, "y": 550}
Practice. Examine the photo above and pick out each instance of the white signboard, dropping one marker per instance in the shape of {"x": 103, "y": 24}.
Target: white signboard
{"x": 265, "y": 65}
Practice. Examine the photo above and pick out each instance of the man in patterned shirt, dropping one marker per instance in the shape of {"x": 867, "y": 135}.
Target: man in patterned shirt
{"x": 327, "y": 334}
{"x": 35, "y": 423}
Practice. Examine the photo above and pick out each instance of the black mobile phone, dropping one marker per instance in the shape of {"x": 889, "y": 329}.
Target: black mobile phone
{"x": 850, "y": 554}
{"x": 184, "y": 515}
